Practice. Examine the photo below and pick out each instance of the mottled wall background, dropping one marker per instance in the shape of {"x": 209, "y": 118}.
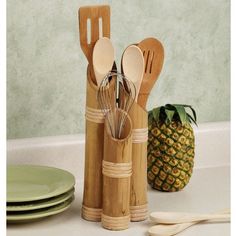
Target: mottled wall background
{"x": 46, "y": 69}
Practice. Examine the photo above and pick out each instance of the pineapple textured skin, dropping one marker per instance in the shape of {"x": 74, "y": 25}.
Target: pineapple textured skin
{"x": 170, "y": 155}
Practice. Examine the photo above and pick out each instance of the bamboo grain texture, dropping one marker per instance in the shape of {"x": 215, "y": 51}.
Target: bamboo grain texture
{"x": 92, "y": 196}
{"x": 116, "y": 190}
{"x": 138, "y": 190}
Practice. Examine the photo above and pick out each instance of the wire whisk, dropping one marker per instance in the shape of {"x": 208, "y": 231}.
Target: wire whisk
{"x": 115, "y": 93}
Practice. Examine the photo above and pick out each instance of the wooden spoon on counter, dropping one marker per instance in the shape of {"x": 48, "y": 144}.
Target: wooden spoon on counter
{"x": 153, "y": 53}
{"x": 169, "y": 230}
{"x": 183, "y": 217}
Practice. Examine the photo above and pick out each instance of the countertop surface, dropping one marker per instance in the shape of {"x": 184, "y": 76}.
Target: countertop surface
{"x": 208, "y": 191}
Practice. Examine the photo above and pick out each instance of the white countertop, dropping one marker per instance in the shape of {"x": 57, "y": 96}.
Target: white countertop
{"x": 208, "y": 191}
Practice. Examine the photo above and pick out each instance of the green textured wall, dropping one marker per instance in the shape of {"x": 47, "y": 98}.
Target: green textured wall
{"x": 46, "y": 68}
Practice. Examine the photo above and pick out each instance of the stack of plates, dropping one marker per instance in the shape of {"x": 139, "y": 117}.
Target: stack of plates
{"x": 35, "y": 192}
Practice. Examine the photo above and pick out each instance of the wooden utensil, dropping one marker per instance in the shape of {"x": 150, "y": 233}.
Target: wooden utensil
{"x": 133, "y": 66}
{"x": 183, "y": 217}
{"x": 153, "y": 53}
{"x": 93, "y": 14}
{"x": 103, "y": 58}
{"x": 169, "y": 230}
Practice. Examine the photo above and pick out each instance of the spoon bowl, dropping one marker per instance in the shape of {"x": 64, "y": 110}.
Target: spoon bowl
{"x": 168, "y": 230}
{"x": 133, "y": 66}
{"x": 103, "y": 58}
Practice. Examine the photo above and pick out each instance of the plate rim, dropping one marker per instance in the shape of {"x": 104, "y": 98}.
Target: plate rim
{"x": 33, "y": 205}
{"x": 45, "y": 196}
{"x": 41, "y": 214}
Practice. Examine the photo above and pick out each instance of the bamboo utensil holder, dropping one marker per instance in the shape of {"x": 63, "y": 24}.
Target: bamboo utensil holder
{"x": 92, "y": 196}
{"x": 138, "y": 195}
{"x": 117, "y": 169}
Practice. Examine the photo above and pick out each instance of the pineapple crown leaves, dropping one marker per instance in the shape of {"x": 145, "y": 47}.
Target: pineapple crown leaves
{"x": 173, "y": 112}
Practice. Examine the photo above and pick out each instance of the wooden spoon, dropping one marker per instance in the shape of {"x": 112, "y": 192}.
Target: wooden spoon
{"x": 182, "y": 217}
{"x": 169, "y": 230}
{"x": 92, "y": 14}
{"x": 103, "y": 58}
{"x": 153, "y": 53}
{"x": 133, "y": 66}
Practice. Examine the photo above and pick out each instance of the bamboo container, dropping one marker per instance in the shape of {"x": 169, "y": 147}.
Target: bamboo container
{"x": 117, "y": 169}
{"x": 92, "y": 196}
{"x": 138, "y": 195}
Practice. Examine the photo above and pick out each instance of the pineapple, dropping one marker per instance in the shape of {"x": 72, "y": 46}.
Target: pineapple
{"x": 170, "y": 147}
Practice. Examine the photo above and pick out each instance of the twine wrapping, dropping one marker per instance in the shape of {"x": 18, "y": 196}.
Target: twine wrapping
{"x": 91, "y": 214}
{"x": 139, "y": 212}
{"x": 115, "y": 223}
{"x": 140, "y": 135}
{"x": 116, "y": 170}
{"x": 94, "y": 115}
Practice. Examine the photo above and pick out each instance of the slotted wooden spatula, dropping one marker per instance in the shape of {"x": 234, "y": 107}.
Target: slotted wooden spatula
{"x": 99, "y": 19}
{"x": 153, "y": 53}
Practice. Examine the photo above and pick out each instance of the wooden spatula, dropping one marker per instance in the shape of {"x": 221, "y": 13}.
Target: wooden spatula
{"x": 153, "y": 53}
{"x": 94, "y": 14}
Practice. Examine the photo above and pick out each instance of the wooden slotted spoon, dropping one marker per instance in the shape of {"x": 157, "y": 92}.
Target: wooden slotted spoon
{"x": 153, "y": 53}
{"x": 93, "y": 13}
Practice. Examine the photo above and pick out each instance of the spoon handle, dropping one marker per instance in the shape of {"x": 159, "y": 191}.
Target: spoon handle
{"x": 185, "y": 218}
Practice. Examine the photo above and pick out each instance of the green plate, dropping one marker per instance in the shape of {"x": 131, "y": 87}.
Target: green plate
{"x": 31, "y": 183}
{"x": 28, "y": 216}
{"x": 28, "y": 206}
